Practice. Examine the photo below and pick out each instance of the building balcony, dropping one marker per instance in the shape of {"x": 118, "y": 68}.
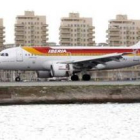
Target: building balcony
{"x": 44, "y": 29}
{"x": 91, "y": 28}
{"x": 43, "y": 38}
{"x": 91, "y": 44}
{"x": 91, "y": 31}
{"x": 64, "y": 27}
{"x": 65, "y": 44}
{"x": 45, "y": 25}
{"x": 32, "y": 32}
{"x": 44, "y": 33}
{"x": 19, "y": 42}
{"x": 90, "y": 41}
{"x": 138, "y": 32}
{"x": 114, "y": 39}
{"x": 19, "y": 39}
{"x": 114, "y": 43}
{"x": 19, "y": 25}
{"x": 19, "y": 29}
{"x": 43, "y": 41}
{"x": 79, "y": 31}
{"x": 65, "y": 31}
{"x": 2, "y": 36}
{"x": 65, "y": 36}
{"x": 32, "y": 29}
{"x": 113, "y": 34}
{"x": 65, "y": 41}
{"x": 113, "y": 30}
{"x": 19, "y": 33}
{"x": 91, "y": 37}
{"x": 2, "y": 31}
{"x": 2, "y": 40}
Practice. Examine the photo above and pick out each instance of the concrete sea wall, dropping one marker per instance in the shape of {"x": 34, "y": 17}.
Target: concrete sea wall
{"x": 69, "y": 94}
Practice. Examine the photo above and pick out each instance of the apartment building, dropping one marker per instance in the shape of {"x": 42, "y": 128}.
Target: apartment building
{"x": 123, "y": 31}
{"x": 31, "y": 30}
{"x": 76, "y": 31}
{"x": 2, "y": 34}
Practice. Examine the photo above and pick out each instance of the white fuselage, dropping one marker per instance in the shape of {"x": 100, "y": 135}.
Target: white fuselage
{"x": 19, "y": 59}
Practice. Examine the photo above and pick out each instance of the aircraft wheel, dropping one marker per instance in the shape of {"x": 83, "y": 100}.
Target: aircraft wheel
{"x": 86, "y": 77}
{"x": 17, "y": 79}
{"x": 74, "y": 78}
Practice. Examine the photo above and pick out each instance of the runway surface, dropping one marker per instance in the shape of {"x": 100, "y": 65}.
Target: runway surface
{"x": 68, "y": 83}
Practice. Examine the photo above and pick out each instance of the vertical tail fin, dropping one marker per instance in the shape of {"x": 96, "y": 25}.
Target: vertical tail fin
{"x": 137, "y": 45}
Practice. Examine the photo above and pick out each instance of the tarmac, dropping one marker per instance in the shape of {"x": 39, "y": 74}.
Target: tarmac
{"x": 68, "y": 83}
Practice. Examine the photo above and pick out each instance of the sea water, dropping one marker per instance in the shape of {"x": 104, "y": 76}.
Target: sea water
{"x": 70, "y": 122}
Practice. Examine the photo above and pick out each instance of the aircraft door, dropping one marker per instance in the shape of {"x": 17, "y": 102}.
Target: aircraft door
{"x": 136, "y": 52}
{"x": 19, "y": 55}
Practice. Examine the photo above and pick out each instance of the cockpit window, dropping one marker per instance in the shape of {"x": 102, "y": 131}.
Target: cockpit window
{"x": 4, "y": 54}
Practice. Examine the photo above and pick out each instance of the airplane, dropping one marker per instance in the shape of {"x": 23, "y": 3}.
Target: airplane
{"x": 68, "y": 61}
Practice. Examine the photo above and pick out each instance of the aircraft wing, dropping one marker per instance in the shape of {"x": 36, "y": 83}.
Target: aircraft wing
{"x": 92, "y": 62}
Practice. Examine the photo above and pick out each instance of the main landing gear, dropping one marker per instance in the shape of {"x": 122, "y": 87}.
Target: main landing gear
{"x": 18, "y": 79}
{"x": 85, "y": 77}
{"x": 74, "y": 78}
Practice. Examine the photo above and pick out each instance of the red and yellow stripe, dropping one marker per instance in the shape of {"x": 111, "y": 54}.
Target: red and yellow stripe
{"x": 44, "y": 51}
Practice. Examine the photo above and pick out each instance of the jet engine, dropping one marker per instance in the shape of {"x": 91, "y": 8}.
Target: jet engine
{"x": 100, "y": 66}
{"x": 61, "y": 70}
{"x": 43, "y": 74}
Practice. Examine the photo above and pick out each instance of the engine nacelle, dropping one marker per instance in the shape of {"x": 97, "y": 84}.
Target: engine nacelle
{"x": 43, "y": 74}
{"x": 100, "y": 66}
{"x": 61, "y": 70}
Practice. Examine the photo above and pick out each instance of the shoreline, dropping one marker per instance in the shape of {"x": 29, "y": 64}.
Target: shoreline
{"x": 70, "y": 94}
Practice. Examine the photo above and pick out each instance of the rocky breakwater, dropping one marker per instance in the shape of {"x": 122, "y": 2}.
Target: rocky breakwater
{"x": 69, "y": 94}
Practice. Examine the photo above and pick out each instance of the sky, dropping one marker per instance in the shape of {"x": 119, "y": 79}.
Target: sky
{"x": 101, "y": 11}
